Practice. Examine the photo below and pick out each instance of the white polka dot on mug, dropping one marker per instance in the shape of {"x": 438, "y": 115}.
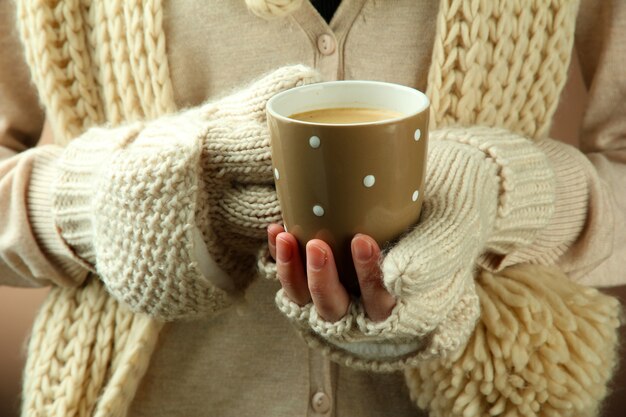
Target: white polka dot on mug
{"x": 318, "y": 210}
{"x": 369, "y": 181}
{"x": 314, "y": 142}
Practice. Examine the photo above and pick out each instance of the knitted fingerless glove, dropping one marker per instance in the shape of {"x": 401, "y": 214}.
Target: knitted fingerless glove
{"x": 487, "y": 191}
{"x": 142, "y": 203}
{"x": 237, "y": 173}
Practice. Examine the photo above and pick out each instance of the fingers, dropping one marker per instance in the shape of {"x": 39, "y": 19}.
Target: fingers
{"x": 289, "y": 268}
{"x": 329, "y": 296}
{"x": 322, "y": 285}
{"x": 272, "y": 232}
{"x": 377, "y": 301}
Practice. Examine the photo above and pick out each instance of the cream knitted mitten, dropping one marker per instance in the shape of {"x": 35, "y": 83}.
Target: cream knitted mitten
{"x": 238, "y": 173}
{"x": 487, "y": 190}
{"x": 142, "y": 203}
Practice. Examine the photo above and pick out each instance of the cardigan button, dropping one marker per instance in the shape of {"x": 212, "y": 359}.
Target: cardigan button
{"x": 320, "y": 403}
{"x": 326, "y": 44}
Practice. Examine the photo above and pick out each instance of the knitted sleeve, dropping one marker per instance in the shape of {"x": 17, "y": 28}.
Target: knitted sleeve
{"x": 165, "y": 210}
{"x": 124, "y": 200}
{"x": 31, "y": 250}
{"x": 597, "y": 256}
{"x": 488, "y": 190}
{"x": 587, "y": 234}
{"x": 567, "y": 220}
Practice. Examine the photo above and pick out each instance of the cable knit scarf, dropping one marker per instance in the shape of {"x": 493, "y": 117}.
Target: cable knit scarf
{"x": 537, "y": 349}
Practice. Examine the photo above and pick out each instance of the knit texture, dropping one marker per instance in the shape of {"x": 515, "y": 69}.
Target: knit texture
{"x": 569, "y": 209}
{"x": 495, "y": 63}
{"x": 526, "y": 191}
{"x": 544, "y": 346}
{"x": 102, "y": 62}
{"x": 89, "y": 71}
{"x": 97, "y": 62}
{"x": 488, "y": 189}
{"x": 504, "y": 64}
{"x": 272, "y": 9}
{"x": 500, "y": 63}
{"x": 40, "y": 209}
{"x": 237, "y": 173}
{"x": 87, "y": 355}
{"x": 77, "y": 181}
{"x": 136, "y": 208}
{"x": 128, "y": 204}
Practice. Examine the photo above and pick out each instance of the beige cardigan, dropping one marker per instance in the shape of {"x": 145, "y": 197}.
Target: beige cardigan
{"x": 195, "y": 361}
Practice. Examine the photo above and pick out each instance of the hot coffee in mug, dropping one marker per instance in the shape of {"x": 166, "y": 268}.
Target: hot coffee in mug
{"x": 345, "y": 115}
{"x": 349, "y": 157}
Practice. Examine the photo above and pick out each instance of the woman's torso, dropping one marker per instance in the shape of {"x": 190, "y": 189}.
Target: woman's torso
{"x": 248, "y": 361}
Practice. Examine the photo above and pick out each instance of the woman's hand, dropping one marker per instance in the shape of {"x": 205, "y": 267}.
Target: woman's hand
{"x": 320, "y": 283}
{"x": 487, "y": 192}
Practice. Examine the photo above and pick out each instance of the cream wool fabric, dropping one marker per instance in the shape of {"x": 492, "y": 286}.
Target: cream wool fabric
{"x": 129, "y": 205}
{"x": 533, "y": 387}
{"x": 111, "y": 82}
{"x": 147, "y": 93}
{"x": 456, "y": 66}
{"x": 272, "y": 9}
{"x": 70, "y": 372}
{"x": 487, "y": 189}
{"x": 534, "y": 352}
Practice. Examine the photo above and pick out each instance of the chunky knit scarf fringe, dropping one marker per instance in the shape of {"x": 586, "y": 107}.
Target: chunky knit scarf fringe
{"x": 543, "y": 347}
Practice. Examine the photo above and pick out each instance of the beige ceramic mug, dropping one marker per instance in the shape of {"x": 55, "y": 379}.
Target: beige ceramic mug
{"x": 336, "y": 180}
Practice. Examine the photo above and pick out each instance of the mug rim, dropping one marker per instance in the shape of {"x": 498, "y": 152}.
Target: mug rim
{"x": 272, "y": 111}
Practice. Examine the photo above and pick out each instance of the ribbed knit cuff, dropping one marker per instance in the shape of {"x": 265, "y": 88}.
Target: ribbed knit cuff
{"x": 266, "y": 266}
{"x": 41, "y": 215}
{"x": 570, "y": 210}
{"x": 73, "y": 194}
{"x": 527, "y": 186}
{"x": 354, "y": 336}
{"x": 77, "y": 180}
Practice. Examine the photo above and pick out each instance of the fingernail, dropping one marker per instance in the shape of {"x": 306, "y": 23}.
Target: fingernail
{"x": 270, "y": 236}
{"x": 362, "y": 249}
{"x": 283, "y": 250}
{"x": 316, "y": 257}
